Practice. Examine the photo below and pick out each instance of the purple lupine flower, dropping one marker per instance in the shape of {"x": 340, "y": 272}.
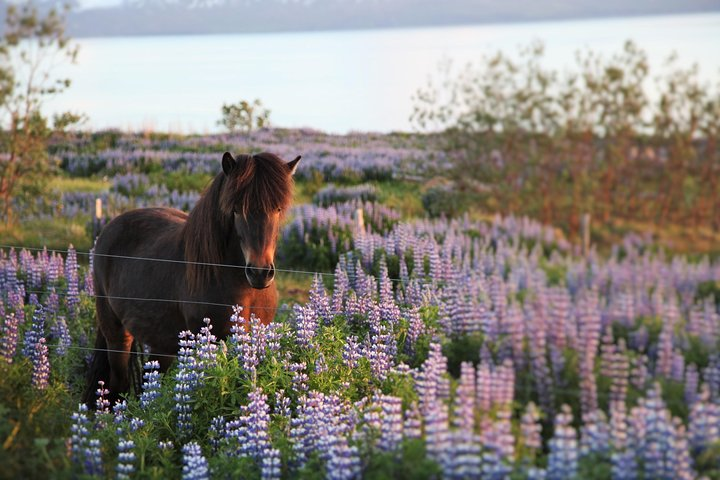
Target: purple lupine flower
{"x": 322, "y": 424}
{"x": 416, "y": 328}
{"x": 665, "y": 351}
{"x": 271, "y": 468}
{"x": 119, "y": 418}
{"x": 136, "y": 424}
{"x": 692, "y": 379}
{"x": 72, "y": 298}
{"x": 251, "y": 429}
{"x": 126, "y": 459}
{"x": 305, "y": 321}
{"x": 677, "y": 370}
{"x": 102, "y": 404}
{"x": 493, "y": 467}
{"x": 9, "y": 338}
{"x": 52, "y": 304}
{"x": 36, "y": 332}
{"x": 241, "y": 343}
{"x": 464, "y": 417}
{"x": 186, "y": 380}
{"x": 53, "y": 269}
{"x": 151, "y": 383}
{"x": 639, "y": 372}
{"x": 217, "y": 432}
{"x": 166, "y": 445}
{"x": 299, "y": 378}
{"x": 320, "y": 364}
{"x": 429, "y": 379}
{"x": 319, "y": 301}
{"x": 680, "y": 454}
{"x": 59, "y": 330}
{"x": 704, "y": 421}
{"x": 563, "y": 457}
{"x": 503, "y": 441}
{"x": 88, "y": 284}
{"x": 205, "y": 346}
{"x": 80, "y": 430}
{"x": 624, "y": 465}
{"x": 93, "y": 458}
{"x": 484, "y": 387}
{"x": 503, "y": 380}
{"x": 41, "y": 366}
{"x": 413, "y": 422}
{"x": 195, "y": 466}
{"x": 437, "y": 434}
{"x": 530, "y": 430}
{"x": 16, "y": 302}
{"x": 607, "y": 352}
{"x": 380, "y": 351}
{"x": 343, "y": 461}
{"x": 389, "y": 311}
{"x": 340, "y": 289}
{"x": 464, "y": 456}
{"x": 391, "y": 422}
{"x": 352, "y": 351}
{"x": 282, "y": 404}
{"x": 594, "y": 434}
{"x": 657, "y": 435}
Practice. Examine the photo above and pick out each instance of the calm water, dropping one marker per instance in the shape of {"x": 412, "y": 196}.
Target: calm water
{"x": 334, "y": 81}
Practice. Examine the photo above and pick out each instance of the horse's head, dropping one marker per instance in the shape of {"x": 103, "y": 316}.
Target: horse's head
{"x": 257, "y": 194}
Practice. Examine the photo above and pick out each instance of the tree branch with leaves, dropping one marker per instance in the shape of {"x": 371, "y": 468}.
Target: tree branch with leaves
{"x": 32, "y": 47}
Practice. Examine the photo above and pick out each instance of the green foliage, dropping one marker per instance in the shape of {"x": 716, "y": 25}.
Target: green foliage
{"x": 709, "y": 289}
{"x": 33, "y": 423}
{"x": 30, "y": 47}
{"x": 244, "y": 116}
{"x": 443, "y": 200}
{"x": 594, "y": 467}
{"x": 412, "y": 463}
{"x": 526, "y": 139}
{"x": 463, "y": 349}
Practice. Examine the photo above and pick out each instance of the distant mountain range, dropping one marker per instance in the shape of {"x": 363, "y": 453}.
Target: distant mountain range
{"x": 162, "y": 17}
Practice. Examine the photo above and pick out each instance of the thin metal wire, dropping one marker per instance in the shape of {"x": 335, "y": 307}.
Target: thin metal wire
{"x": 168, "y": 260}
{"x": 91, "y": 349}
{"x": 111, "y": 297}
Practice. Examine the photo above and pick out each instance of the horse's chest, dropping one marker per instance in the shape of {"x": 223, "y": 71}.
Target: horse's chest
{"x": 261, "y": 303}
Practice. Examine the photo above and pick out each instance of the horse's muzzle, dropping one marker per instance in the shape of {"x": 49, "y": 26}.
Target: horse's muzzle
{"x": 260, "y": 277}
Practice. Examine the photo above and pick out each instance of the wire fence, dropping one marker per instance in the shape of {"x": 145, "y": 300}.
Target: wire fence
{"x": 230, "y": 305}
{"x": 250, "y": 307}
{"x": 169, "y": 260}
{"x": 110, "y": 350}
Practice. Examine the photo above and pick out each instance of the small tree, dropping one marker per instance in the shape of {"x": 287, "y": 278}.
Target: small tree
{"x": 32, "y": 45}
{"x": 531, "y": 140}
{"x": 244, "y": 116}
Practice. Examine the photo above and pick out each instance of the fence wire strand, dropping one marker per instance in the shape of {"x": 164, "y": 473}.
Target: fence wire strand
{"x": 169, "y": 260}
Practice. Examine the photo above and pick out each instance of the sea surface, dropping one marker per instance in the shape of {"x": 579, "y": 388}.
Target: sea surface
{"x": 336, "y": 81}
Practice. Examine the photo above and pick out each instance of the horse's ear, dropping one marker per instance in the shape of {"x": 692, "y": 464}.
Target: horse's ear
{"x": 292, "y": 165}
{"x": 228, "y": 163}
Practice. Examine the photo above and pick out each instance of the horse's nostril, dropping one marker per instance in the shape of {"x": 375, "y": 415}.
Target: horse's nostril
{"x": 260, "y": 277}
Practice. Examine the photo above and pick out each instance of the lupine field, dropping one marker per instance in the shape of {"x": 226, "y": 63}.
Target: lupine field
{"x": 417, "y": 347}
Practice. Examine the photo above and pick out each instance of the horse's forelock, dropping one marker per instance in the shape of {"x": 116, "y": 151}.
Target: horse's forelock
{"x": 261, "y": 185}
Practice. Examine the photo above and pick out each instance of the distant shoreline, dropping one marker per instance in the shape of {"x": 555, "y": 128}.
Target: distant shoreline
{"x": 83, "y": 31}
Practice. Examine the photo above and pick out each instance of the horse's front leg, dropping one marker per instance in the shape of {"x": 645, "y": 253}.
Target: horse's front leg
{"x": 119, "y": 344}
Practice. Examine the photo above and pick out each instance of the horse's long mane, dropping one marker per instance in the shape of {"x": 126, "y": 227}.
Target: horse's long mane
{"x": 257, "y": 184}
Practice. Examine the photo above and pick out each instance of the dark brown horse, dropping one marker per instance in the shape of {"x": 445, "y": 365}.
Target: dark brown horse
{"x": 235, "y": 222}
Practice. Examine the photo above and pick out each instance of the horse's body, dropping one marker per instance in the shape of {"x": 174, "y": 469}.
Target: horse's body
{"x": 172, "y": 259}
